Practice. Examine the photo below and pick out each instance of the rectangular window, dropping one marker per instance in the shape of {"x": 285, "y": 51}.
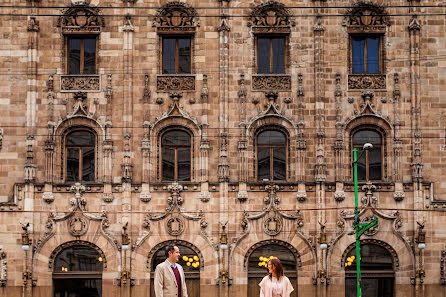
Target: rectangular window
{"x": 176, "y": 55}
{"x": 81, "y": 55}
{"x": 270, "y": 55}
{"x": 366, "y": 54}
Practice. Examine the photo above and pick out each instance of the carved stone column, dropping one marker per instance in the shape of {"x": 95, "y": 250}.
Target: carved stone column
{"x": 339, "y": 143}
{"x": 301, "y": 144}
{"x": 398, "y": 195}
{"x": 242, "y": 194}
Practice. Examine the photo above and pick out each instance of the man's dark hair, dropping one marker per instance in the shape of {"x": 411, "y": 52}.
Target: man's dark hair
{"x": 169, "y": 248}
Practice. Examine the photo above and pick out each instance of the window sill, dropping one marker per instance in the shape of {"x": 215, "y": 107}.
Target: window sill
{"x": 175, "y": 82}
{"x": 366, "y": 81}
{"x": 271, "y": 82}
{"x": 80, "y": 83}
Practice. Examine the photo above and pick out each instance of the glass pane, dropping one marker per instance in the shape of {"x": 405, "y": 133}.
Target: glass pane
{"x": 78, "y": 287}
{"x": 168, "y": 55}
{"x": 184, "y": 55}
{"x": 375, "y": 163}
{"x": 361, "y": 164}
{"x": 88, "y": 159}
{"x": 358, "y": 54}
{"x": 78, "y": 258}
{"x": 263, "y": 55}
{"x": 285, "y": 256}
{"x": 279, "y": 163}
{"x": 74, "y": 54}
{"x": 271, "y": 137}
{"x": 89, "y": 55}
{"x": 373, "y": 257}
{"x": 183, "y": 164}
{"x": 72, "y": 164}
{"x": 373, "y": 55}
{"x": 278, "y": 55}
{"x": 168, "y": 164}
{"x": 184, "y": 251}
{"x": 366, "y": 136}
{"x": 176, "y": 137}
{"x": 263, "y": 163}
{"x": 80, "y": 138}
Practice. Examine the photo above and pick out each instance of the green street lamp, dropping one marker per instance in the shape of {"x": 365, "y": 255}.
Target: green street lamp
{"x": 360, "y": 228}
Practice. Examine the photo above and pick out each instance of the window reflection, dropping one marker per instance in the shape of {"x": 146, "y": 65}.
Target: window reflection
{"x": 271, "y": 155}
{"x": 176, "y": 156}
{"x": 370, "y": 163}
{"x": 80, "y": 156}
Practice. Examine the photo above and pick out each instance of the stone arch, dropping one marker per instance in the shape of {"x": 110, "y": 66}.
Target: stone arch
{"x": 160, "y": 245}
{"x": 68, "y": 244}
{"x": 400, "y": 250}
{"x": 385, "y": 245}
{"x": 65, "y": 127}
{"x": 171, "y": 123}
{"x": 374, "y": 122}
{"x": 270, "y": 242}
{"x": 277, "y": 122}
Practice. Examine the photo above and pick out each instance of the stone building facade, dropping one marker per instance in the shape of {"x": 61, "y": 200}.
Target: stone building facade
{"x": 227, "y": 128}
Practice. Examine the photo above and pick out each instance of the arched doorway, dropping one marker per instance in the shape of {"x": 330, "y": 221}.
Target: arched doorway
{"x": 78, "y": 272}
{"x": 191, "y": 270}
{"x": 377, "y": 272}
{"x": 257, "y": 269}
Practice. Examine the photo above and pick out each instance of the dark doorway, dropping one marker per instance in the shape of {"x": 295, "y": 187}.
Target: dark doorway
{"x": 377, "y": 273}
{"x": 78, "y": 272}
{"x": 191, "y": 270}
{"x": 256, "y": 272}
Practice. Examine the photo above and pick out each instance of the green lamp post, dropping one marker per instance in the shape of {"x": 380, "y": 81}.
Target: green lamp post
{"x": 360, "y": 228}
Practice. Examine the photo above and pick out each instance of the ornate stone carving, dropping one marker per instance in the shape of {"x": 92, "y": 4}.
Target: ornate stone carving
{"x": 399, "y": 195}
{"x": 146, "y": 94}
{"x": 81, "y": 19}
{"x": 33, "y": 24}
{"x": 204, "y": 89}
{"x": 442, "y": 264}
{"x": 1, "y": 138}
{"x": 77, "y": 226}
{"x": 367, "y": 81}
{"x": 272, "y": 225}
{"x": 145, "y": 196}
{"x": 175, "y": 226}
{"x": 78, "y": 202}
{"x": 176, "y": 17}
{"x": 339, "y": 195}
{"x": 204, "y": 196}
{"x": 262, "y": 82}
{"x": 3, "y": 268}
{"x": 369, "y": 199}
{"x": 73, "y": 243}
{"x": 366, "y": 18}
{"x": 48, "y": 197}
{"x": 270, "y": 17}
{"x": 76, "y": 83}
{"x": 108, "y": 197}
{"x": 301, "y": 196}
{"x": 167, "y": 83}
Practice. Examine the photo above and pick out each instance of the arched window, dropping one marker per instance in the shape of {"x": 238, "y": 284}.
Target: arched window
{"x": 257, "y": 266}
{"x": 191, "y": 270}
{"x": 80, "y": 156}
{"x": 78, "y": 272}
{"x": 370, "y": 163}
{"x": 377, "y": 273}
{"x": 271, "y": 155}
{"x": 176, "y": 156}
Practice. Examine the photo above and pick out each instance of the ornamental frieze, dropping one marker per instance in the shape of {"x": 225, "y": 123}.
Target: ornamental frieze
{"x": 270, "y": 14}
{"x": 167, "y": 83}
{"x": 176, "y": 17}
{"x": 81, "y": 19}
{"x": 271, "y": 82}
{"x": 75, "y": 83}
{"x": 366, "y": 81}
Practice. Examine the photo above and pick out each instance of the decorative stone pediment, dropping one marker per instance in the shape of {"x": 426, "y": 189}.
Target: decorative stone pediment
{"x": 270, "y": 17}
{"x": 176, "y": 17}
{"x": 366, "y": 17}
{"x": 81, "y": 19}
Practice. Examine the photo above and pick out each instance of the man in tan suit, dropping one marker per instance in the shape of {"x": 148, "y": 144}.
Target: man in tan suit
{"x": 169, "y": 276}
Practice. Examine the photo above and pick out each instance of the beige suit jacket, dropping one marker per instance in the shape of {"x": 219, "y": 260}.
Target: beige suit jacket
{"x": 165, "y": 282}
